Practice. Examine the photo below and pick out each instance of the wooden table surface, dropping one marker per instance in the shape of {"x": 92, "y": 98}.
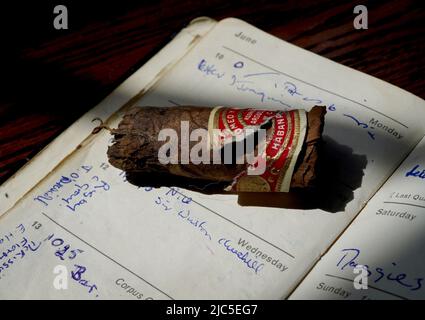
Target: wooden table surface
{"x": 51, "y": 77}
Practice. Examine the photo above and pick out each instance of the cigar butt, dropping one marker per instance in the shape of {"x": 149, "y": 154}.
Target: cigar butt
{"x": 293, "y": 145}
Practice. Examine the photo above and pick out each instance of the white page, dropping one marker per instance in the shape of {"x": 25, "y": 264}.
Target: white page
{"x": 387, "y": 237}
{"x": 170, "y": 243}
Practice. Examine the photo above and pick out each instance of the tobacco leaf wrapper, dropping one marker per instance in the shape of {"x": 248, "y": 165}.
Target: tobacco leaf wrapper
{"x": 291, "y": 150}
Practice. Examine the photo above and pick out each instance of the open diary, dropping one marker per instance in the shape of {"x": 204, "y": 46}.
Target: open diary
{"x": 73, "y": 227}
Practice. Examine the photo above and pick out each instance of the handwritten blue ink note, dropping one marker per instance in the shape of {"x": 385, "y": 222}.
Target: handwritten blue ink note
{"x": 253, "y": 84}
{"x": 75, "y": 189}
{"x": 351, "y": 257}
{"x": 242, "y": 255}
{"x": 416, "y": 172}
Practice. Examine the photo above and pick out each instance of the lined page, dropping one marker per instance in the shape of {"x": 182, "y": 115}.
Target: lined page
{"x": 112, "y": 239}
{"x": 387, "y": 239}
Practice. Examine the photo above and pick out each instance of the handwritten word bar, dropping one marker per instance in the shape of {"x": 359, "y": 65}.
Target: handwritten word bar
{"x": 106, "y": 256}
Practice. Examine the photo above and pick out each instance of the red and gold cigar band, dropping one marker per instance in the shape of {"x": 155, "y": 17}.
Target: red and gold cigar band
{"x": 283, "y": 144}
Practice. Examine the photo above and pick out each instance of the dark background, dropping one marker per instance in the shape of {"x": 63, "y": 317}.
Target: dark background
{"x": 51, "y": 77}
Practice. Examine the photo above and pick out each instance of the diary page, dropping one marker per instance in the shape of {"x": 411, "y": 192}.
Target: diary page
{"x": 384, "y": 244}
{"x": 87, "y": 227}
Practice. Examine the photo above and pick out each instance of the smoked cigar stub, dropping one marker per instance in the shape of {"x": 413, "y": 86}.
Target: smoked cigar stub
{"x": 291, "y": 149}
{"x": 285, "y": 138}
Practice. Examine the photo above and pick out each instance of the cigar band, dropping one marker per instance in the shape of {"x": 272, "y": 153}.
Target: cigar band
{"x": 285, "y": 137}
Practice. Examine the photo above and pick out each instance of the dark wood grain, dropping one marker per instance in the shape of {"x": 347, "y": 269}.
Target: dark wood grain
{"x": 51, "y": 77}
